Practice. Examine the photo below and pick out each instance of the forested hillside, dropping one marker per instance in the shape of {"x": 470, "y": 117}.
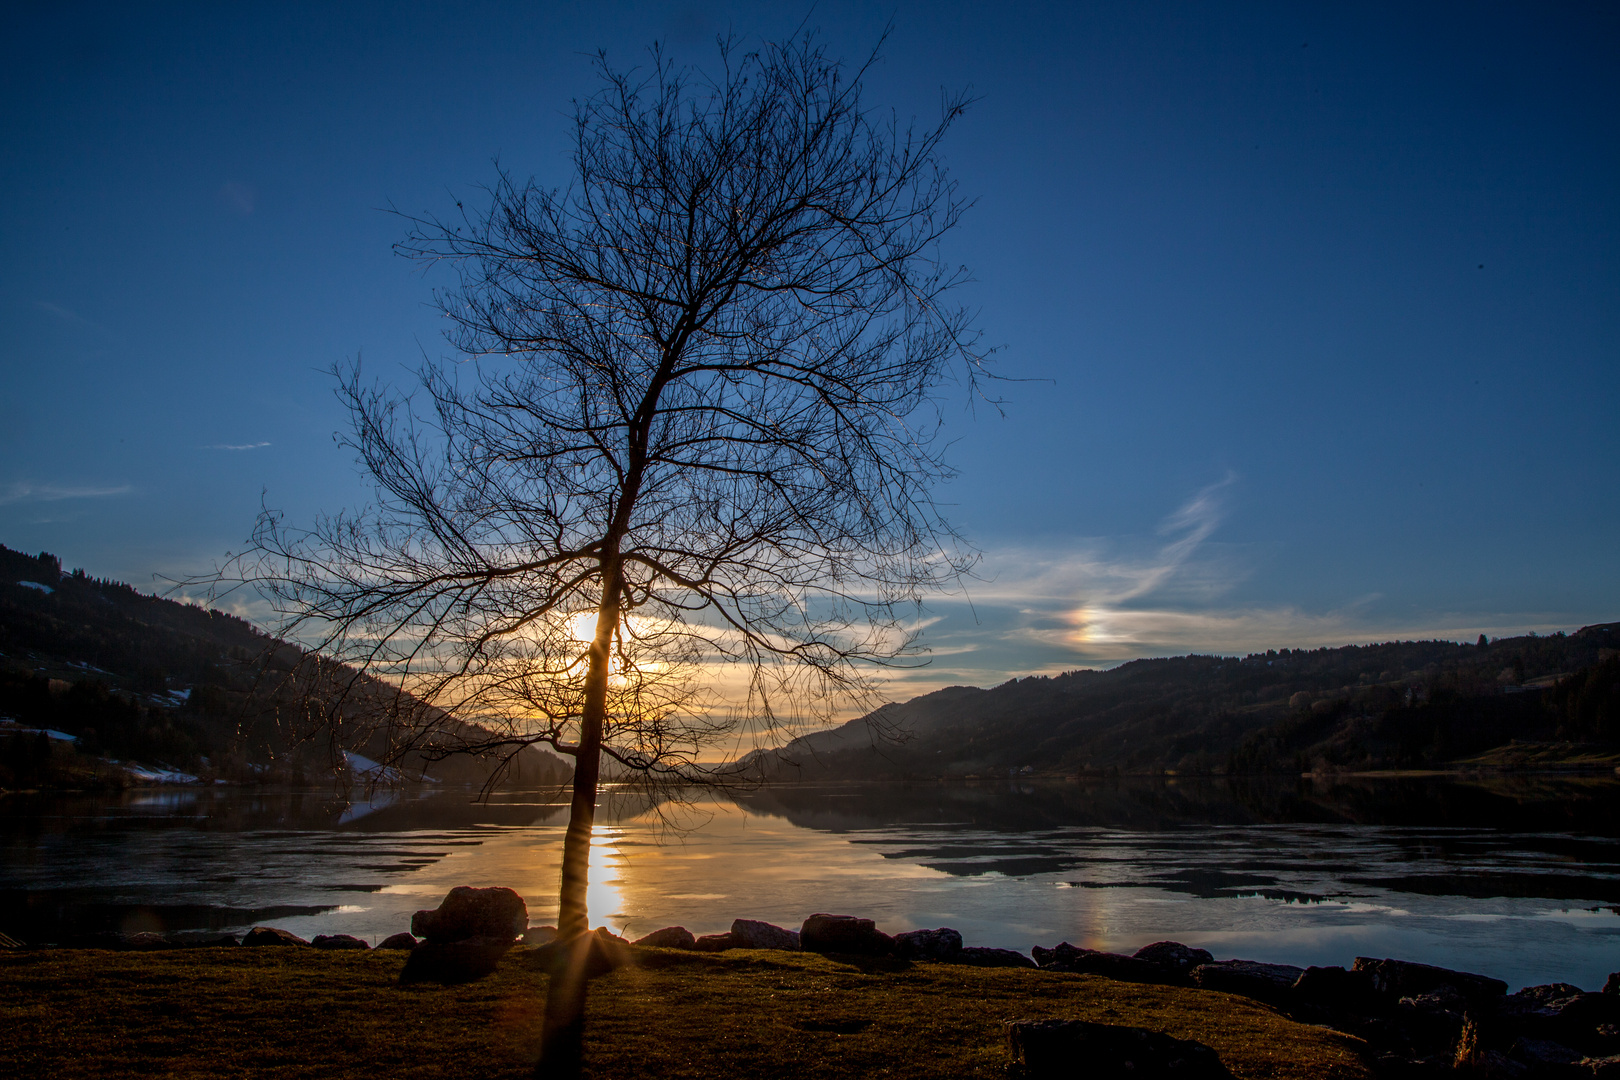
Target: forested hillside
{"x": 1409, "y": 704}
{"x": 143, "y": 679}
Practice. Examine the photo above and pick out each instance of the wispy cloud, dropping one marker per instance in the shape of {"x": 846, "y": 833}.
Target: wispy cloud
{"x": 1097, "y": 602}
{"x": 28, "y": 492}
{"x": 235, "y": 446}
{"x": 65, "y": 314}
{"x": 1110, "y": 572}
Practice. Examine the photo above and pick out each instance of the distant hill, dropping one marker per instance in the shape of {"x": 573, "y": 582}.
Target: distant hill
{"x": 1398, "y": 705}
{"x": 144, "y": 679}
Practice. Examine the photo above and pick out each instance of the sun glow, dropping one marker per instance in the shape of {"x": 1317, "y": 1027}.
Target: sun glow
{"x": 582, "y": 626}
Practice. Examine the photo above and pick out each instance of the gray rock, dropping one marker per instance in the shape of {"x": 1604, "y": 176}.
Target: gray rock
{"x": 715, "y": 943}
{"x": 203, "y": 939}
{"x": 1560, "y": 1012}
{"x": 824, "y": 933}
{"x": 400, "y": 940}
{"x": 753, "y": 934}
{"x": 261, "y": 936}
{"x": 1070, "y": 1048}
{"x": 597, "y": 952}
{"x": 941, "y": 944}
{"x": 1440, "y": 999}
{"x": 1263, "y": 982}
{"x": 1338, "y": 990}
{"x": 1402, "y": 978}
{"x": 145, "y": 941}
{"x": 974, "y": 956}
{"x": 1174, "y": 956}
{"x": 1542, "y": 1054}
{"x": 1434, "y": 1019}
{"x": 496, "y": 913}
{"x": 452, "y": 962}
{"x": 1078, "y": 961}
{"x": 539, "y": 935}
{"x": 670, "y": 937}
{"x": 338, "y": 941}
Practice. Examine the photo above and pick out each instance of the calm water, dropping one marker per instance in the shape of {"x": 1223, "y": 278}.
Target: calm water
{"x": 1518, "y": 879}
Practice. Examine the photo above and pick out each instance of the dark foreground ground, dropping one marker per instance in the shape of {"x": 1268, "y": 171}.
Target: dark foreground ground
{"x": 282, "y": 1012}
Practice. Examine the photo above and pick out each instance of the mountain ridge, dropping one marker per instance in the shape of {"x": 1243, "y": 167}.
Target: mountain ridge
{"x": 1399, "y": 704}
{"x": 174, "y": 688}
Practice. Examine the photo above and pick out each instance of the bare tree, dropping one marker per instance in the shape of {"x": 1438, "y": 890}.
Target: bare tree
{"x": 695, "y": 432}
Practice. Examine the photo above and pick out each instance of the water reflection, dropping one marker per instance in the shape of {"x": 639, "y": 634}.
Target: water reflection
{"x": 1520, "y": 878}
{"x": 602, "y": 897}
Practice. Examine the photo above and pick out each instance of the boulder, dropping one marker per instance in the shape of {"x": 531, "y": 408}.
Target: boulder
{"x": 1542, "y": 1055}
{"x": 598, "y": 952}
{"x": 714, "y": 943}
{"x": 539, "y": 935}
{"x": 146, "y": 941}
{"x": 452, "y": 962}
{"x": 1435, "y": 1020}
{"x": 824, "y": 933}
{"x": 974, "y": 956}
{"x": 1263, "y": 982}
{"x": 338, "y": 941}
{"x": 271, "y": 935}
{"x": 941, "y": 944}
{"x": 1402, "y": 978}
{"x": 1612, "y": 986}
{"x": 1561, "y": 1013}
{"x": 1061, "y": 953}
{"x": 1338, "y": 991}
{"x": 1174, "y": 956}
{"x": 203, "y": 939}
{"x": 670, "y": 937}
{"x": 1118, "y": 966}
{"x": 401, "y": 940}
{"x": 496, "y": 913}
{"x": 1069, "y": 1048}
{"x": 753, "y": 934}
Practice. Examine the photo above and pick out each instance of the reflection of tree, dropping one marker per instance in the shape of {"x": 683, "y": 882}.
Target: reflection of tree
{"x": 693, "y": 434}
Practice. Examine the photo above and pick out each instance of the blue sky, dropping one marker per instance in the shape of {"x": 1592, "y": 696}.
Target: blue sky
{"x": 1317, "y": 308}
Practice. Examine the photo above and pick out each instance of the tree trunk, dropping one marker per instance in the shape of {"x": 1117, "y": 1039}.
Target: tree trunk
{"x": 562, "y": 1040}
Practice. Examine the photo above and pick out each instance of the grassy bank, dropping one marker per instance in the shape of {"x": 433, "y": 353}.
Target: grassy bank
{"x": 283, "y": 1012}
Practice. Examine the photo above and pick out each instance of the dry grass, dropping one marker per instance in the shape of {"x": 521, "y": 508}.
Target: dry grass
{"x": 276, "y": 1012}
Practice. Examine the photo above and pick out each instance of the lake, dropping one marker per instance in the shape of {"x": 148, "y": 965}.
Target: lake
{"x": 1513, "y": 877}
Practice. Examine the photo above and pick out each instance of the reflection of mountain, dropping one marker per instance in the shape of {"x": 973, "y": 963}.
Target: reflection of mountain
{"x": 94, "y": 817}
{"x": 1396, "y": 705}
{"x": 1509, "y": 804}
{"x": 1287, "y": 841}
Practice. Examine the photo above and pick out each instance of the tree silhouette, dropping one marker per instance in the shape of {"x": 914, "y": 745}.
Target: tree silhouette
{"x": 694, "y": 431}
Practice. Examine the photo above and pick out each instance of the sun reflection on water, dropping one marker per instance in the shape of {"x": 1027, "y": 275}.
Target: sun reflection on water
{"x": 603, "y": 897}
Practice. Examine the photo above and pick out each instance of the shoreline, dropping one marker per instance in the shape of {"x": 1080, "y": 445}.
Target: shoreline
{"x": 1599, "y": 769}
{"x": 1380, "y": 1018}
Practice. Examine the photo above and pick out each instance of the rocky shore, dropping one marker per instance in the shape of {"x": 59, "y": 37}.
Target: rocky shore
{"x": 1416, "y": 1020}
